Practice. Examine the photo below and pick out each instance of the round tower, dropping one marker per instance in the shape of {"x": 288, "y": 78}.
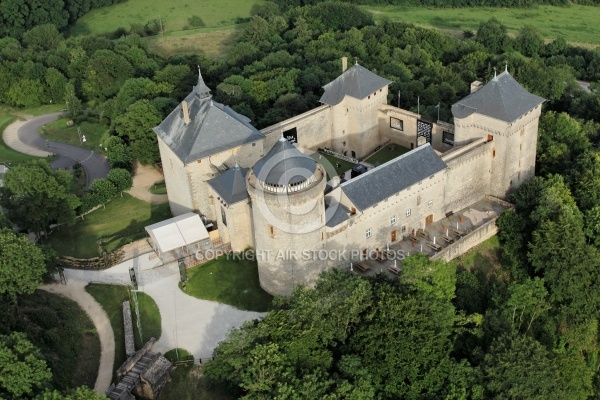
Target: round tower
{"x": 288, "y": 209}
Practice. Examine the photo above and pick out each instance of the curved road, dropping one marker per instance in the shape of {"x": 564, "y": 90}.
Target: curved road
{"x": 96, "y": 165}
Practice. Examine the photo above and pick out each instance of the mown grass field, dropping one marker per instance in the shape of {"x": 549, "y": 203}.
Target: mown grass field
{"x": 174, "y": 14}
{"x": 111, "y": 298}
{"x": 121, "y": 222}
{"x": 58, "y": 131}
{"x": 150, "y": 320}
{"x": 228, "y": 281}
{"x": 577, "y": 24}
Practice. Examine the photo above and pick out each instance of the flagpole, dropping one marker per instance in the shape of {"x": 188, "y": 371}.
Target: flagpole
{"x": 418, "y": 105}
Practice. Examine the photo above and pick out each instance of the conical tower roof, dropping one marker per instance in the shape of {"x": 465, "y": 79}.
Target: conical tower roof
{"x": 283, "y": 165}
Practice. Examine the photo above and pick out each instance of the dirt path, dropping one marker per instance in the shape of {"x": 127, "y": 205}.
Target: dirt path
{"x": 75, "y": 291}
{"x": 143, "y": 180}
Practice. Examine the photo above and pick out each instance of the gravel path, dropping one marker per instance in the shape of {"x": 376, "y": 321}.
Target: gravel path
{"x": 143, "y": 180}
{"x": 76, "y": 291}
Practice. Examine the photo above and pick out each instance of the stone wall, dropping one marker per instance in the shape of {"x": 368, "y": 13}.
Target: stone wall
{"x": 128, "y": 325}
{"x": 467, "y": 242}
{"x": 176, "y": 180}
{"x": 313, "y": 129}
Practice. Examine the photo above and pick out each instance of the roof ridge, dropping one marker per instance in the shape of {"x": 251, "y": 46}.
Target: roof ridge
{"x": 414, "y": 151}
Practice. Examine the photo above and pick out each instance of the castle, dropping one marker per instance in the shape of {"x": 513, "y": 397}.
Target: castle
{"x": 270, "y": 189}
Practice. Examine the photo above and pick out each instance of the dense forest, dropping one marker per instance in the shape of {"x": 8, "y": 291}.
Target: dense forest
{"x": 528, "y": 331}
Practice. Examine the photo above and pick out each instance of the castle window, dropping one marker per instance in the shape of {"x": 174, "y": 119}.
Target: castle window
{"x": 396, "y": 123}
{"x": 393, "y": 220}
{"x": 494, "y": 153}
{"x": 448, "y": 138}
{"x": 368, "y": 233}
{"x": 490, "y": 138}
{"x": 199, "y": 161}
{"x": 369, "y": 97}
{"x": 253, "y": 144}
{"x": 430, "y": 203}
{"x": 223, "y": 216}
{"x": 403, "y": 229}
{"x": 408, "y": 212}
{"x": 271, "y": 230}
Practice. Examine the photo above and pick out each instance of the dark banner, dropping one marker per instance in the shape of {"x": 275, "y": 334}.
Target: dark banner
{"x": 424, "y": 129}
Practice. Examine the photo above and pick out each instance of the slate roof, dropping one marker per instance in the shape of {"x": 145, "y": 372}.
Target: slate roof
{"x": 501, "y": 98}
{"x": 392, "y": 177}
{"x": 284, "y": 164}
{"x": 356, "y": 81}
{"x": 213, "y": 127}
{"x": 231, "y": 185}
{"x": 335, "y": 214}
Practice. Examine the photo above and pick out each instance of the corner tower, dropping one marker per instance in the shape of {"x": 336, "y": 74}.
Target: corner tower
{"x": 506, "y": 116}
{"x": 286, "y": 189}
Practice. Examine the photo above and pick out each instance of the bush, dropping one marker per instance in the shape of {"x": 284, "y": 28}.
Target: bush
{"x": 195, "y": 22}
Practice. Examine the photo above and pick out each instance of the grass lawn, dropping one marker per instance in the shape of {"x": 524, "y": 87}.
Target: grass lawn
{"x": 58, "y": 131}
{"x": 159, "y": 188}
{"x": 213, "y": 43}
{"x": 174, "y": 14}
{"x": 65, "y": 335}
{"x": 111, "y": 298}
{"x": 150, "y": 318}
{"x": 188, "y": 383}
{"x": 121, "y": 222}
{"x": 233, "y": 282}
{"x": 486, "y": 258}
{"x": 576, "y": 23}
{"x": 386, "y": 154}
{"x": 178, "y": 355}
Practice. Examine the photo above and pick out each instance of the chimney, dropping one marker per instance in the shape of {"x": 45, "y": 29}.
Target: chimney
{"x": 186, "y": 112}
{"x": 475, "y": 86}
{"x": 344, "y": 64}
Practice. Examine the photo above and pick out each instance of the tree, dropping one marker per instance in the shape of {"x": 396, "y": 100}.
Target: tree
{"x": 106, "y": 72}
{"x": 493, "y": 35}
{"x": 26, "y": 93}
{"x": 135, "y": 89}
{"x": 35, "y": 196}
{"x": 80, "y": 393}
{"x": 42, "y": 37}
{"x": 119, "y": 154}
{"x": 103, "y": 191}
{"x": 74, "y": 106}
{"x": 121, "y": 179}
{"x": 22, "y": 265}
{"x": 530, "y": 41}
{"x": 135, "y": 127}
{"x": 519, "y": 367}
{"x": 22, "y": 368}
{"x": 527, "y": 302}
{"x": 56, "y": 82}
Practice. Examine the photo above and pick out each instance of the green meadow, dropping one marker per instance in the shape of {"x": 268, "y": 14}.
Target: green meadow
{"x": 173, "y": 14}
{"x": 577, "y": 24}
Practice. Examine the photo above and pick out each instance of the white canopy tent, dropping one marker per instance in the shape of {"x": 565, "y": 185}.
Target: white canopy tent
{"x": 181, "y": 235}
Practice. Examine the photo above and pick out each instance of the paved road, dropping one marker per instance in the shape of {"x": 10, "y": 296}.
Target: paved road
{"x": 95, "y": 165}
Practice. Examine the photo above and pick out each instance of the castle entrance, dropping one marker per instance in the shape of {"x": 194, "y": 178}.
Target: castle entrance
{"x": 428, "y": 219}
{"x": 393, "y": 236}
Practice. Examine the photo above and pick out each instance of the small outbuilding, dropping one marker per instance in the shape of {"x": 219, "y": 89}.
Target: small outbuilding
{"x": 178, "y": 237}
